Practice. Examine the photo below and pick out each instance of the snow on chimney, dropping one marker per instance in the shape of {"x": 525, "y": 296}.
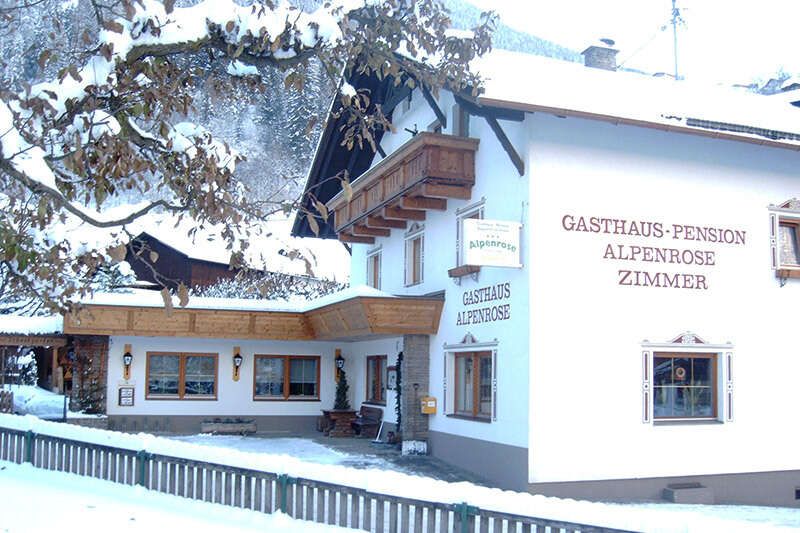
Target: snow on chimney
{"x": 601, "y": 55}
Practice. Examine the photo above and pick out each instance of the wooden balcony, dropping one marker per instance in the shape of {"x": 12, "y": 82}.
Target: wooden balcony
{"x": 419, "y": 176}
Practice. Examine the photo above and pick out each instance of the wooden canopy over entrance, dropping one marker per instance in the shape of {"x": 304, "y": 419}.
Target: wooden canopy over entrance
{"x": 419, "y": 176}
{"x": 357, "y": 318}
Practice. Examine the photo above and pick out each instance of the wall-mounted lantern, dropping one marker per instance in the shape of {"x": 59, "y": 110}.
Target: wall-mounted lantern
{"x": 339, "y": 364}
{"x": 127, "y": 359}
{"x": 237, "y": 362}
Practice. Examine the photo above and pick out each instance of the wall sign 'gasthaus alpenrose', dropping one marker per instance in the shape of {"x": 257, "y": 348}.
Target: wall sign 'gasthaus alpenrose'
{"x": 492, "y": 243}
{"x": 664, "y": 250}
{"x": 486, "y": 304}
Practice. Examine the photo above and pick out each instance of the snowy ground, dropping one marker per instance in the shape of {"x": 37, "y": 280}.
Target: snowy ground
{"x": 80, "y": 504}
{"x": 321, "y": 464}
{"x": 706, "y": 518}
{"x": 33, "y": 400}
{"x": 297, "y": 448}
{"x": 39, "y": 402}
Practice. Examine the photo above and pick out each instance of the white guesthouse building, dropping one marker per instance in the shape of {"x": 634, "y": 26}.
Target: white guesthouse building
{"x": 644, "y": 334}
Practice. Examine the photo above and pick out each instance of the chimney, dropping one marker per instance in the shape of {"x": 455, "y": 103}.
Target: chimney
{"x": 601, "y": 55}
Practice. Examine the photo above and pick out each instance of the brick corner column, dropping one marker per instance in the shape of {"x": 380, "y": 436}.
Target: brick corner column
{"x": 415, "y": 385}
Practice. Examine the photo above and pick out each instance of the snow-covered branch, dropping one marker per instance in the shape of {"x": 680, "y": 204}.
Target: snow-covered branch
{"x": 111, "y": 122}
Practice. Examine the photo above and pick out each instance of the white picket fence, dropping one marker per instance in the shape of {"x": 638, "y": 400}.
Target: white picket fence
{"x": 267, "y": 492}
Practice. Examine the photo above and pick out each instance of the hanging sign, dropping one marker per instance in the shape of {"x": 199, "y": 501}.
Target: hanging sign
{"x": 492, "y": 243}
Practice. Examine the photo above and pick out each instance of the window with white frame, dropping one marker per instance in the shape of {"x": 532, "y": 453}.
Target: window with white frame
{"x": 460, "y": 118}
{"x": 470, "y": 380}
{"x": 414, "y": 255}
{"x": 684, "y": 385}
{"x": 374, "y": 268}
{"x": 785, "y": 237}
{"x": 687, "y": 379}
{"x": 473, "y": 211}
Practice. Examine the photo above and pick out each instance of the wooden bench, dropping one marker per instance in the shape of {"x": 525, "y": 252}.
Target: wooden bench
{"x": 367, "y": 421}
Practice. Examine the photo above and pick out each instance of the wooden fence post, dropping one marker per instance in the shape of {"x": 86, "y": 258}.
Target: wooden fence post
{"x": 142, "y": 457}
{"x": 283, "y": 482}
{"x": 464, "y": 511}
{"x": 29, "y": 436}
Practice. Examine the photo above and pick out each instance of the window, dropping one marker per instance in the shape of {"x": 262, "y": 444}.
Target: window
{"x": 414, "y": 255}
{"x": 374, "y": 269}
{"x": 181, "y": 376}
{"x": 788, "y": 233}
{"x": 286, "y": 377}
{"x": 460, "y": 121}
{"x": 474, "y": 211}
{"x": 376, "y": 379}
{"x": 473, "y": 384}
{"x": 684, "y": 385}
{"x": 785, "y": 239}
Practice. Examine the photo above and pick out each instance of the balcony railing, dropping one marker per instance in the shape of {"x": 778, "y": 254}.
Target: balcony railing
{"x": 420, "y": 175}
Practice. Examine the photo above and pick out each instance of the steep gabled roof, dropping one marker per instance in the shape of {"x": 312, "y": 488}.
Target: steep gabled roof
{"x": 527, "y": 83}
{"x": 331, "y": 157}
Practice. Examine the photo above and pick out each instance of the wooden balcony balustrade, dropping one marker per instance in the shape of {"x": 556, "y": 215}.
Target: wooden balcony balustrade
{"x": 419, "y": 176}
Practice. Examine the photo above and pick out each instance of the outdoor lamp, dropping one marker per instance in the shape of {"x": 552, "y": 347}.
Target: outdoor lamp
{"x": 339, "y": 360}
{"x": 237, "y": 363}
{"x": 127, "y": 359}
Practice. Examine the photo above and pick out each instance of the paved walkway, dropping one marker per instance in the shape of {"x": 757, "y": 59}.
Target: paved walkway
{"x": 422, "y": 465}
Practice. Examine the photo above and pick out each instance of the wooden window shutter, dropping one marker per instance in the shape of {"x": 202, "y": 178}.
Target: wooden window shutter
{"x": 494, "y": 385}
{"x": 444, "y": 384}
{"x": 729, "y": 387}
{"x": 421, "y": 258}
{"x": 379, "y": 266}
{"x": 405, "y": 263}
{"x": 645, "y": 387}
{"x": 773, "y": 239}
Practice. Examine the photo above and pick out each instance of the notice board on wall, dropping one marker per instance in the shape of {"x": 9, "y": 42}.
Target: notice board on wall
{"x": 125, "y": 397}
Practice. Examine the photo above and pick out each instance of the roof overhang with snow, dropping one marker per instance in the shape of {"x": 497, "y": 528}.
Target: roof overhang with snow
{"x": 352, "y": 319}
{"x": 517, "y": 83}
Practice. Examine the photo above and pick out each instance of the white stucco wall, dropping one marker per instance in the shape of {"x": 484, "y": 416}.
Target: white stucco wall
{"x": 587, "y": 330}
{"x": 236, "y": 398}
{"x": 233, "y": 398}
{"x": 506, "y": 198}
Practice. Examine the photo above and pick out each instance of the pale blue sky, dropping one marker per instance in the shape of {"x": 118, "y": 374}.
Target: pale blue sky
{"x": 731, "y": 41}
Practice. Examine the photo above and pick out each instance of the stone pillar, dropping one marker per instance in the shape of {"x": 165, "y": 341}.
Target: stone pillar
{"x": 415, "y": 383}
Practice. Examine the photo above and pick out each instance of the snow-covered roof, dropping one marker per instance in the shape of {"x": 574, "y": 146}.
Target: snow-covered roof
{"x": 272, "y": 250}
{"x": 532, "y": 83}
{"x": 144, "y": 298}
{"x": 327, "y": 259}
{"x": 31, "y": 325}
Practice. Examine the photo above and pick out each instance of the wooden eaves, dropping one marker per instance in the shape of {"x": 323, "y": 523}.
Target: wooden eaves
{"x": 357, "y": 318}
